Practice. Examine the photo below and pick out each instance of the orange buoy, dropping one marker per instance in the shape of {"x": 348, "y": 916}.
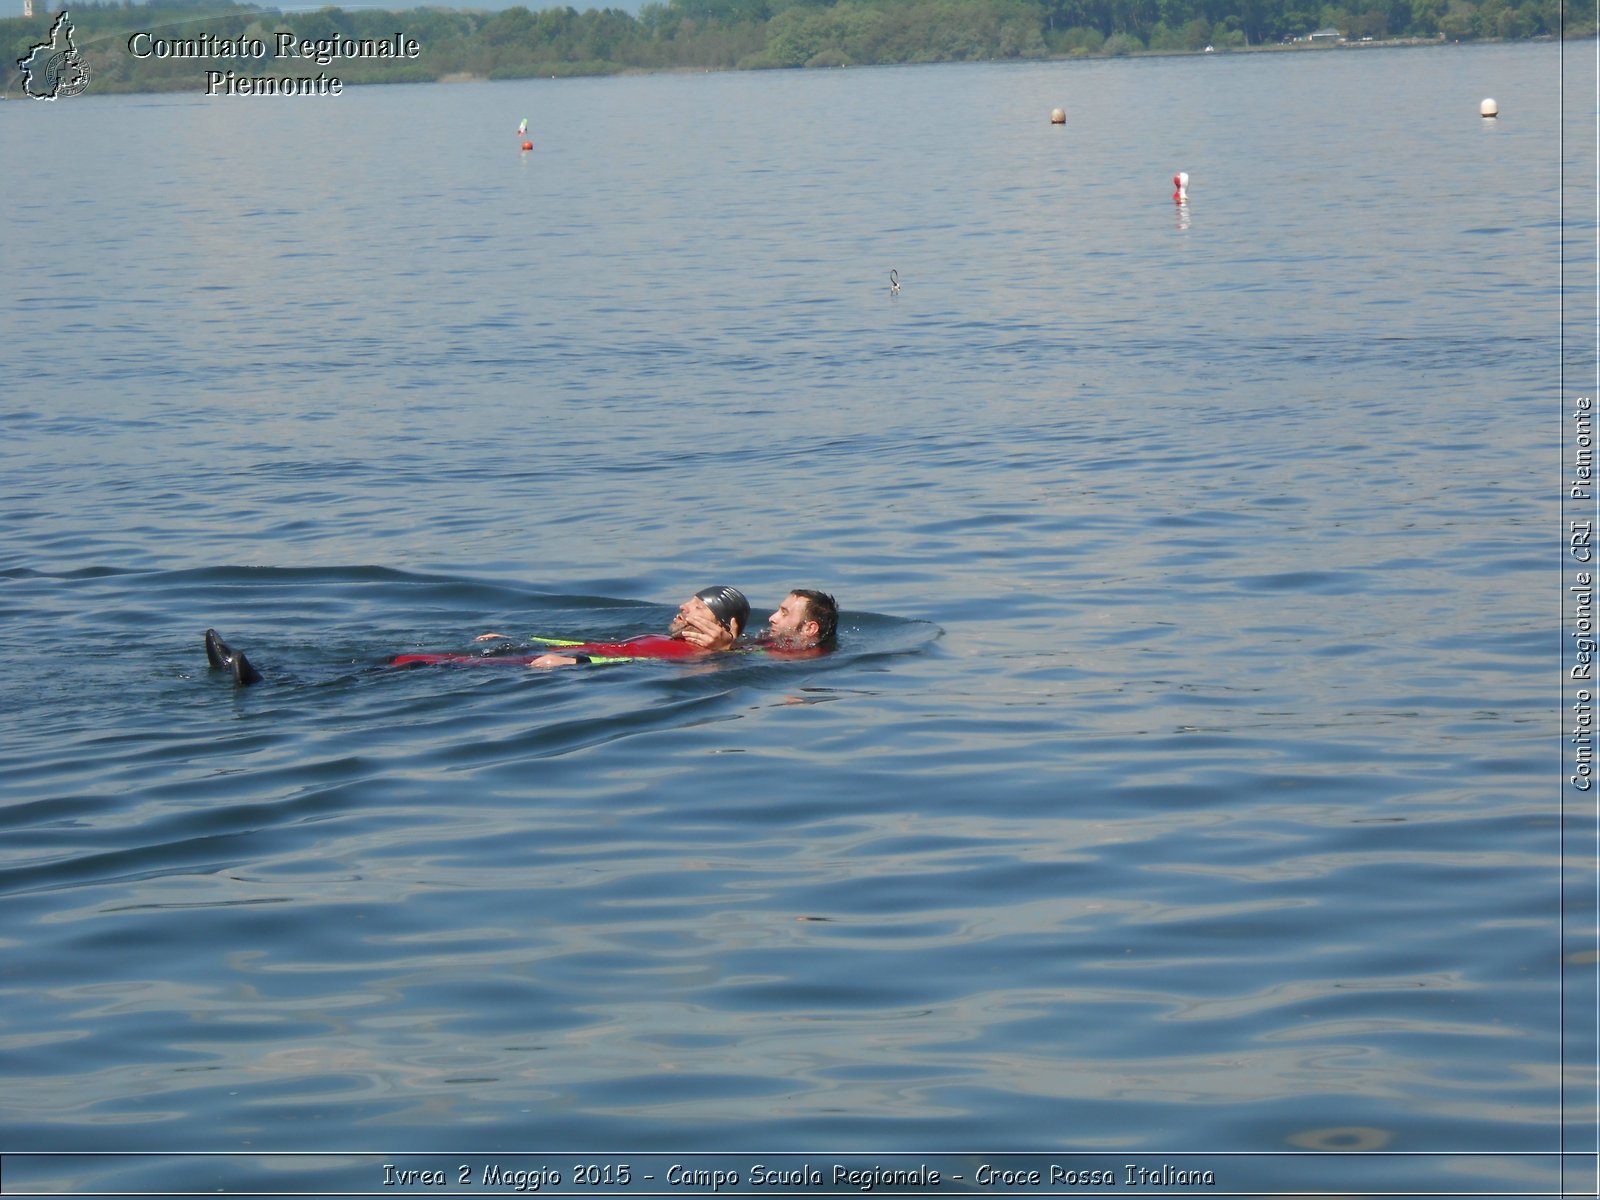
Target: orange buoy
{"x": 527, "y": 145}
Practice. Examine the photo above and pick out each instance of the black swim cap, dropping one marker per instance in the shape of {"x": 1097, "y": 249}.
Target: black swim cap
{"x": 727, "y": 603}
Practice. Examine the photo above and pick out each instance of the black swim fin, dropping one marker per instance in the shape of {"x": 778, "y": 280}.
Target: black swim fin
{"x": 224, "y": 657}
{"x": 243, "y": 673}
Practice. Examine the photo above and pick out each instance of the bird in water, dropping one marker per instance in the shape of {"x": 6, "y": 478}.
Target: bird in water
{"x": 894, "y": 283}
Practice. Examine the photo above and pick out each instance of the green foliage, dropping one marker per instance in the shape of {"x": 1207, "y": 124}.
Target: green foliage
{"x": 720, "y": 34}
{"x": 1460, "y": 21}
{"x": 1194, "y": 35}
{"x": 1077, "y": 42}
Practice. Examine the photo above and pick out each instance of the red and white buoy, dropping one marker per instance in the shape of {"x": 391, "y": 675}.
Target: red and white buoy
{"x": 1181, "y": 182}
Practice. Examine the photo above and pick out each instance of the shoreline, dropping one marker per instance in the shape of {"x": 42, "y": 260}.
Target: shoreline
{"x": 595, "y": 70}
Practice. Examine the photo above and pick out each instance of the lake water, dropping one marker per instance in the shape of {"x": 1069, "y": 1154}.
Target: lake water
{"x": 1186, "y": 781}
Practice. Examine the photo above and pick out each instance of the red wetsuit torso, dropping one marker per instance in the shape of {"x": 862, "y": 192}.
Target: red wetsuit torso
{"x": 651, "y": 645}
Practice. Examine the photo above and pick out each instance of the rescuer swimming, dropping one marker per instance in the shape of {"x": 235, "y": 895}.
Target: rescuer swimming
{"x": 711, "y": 621}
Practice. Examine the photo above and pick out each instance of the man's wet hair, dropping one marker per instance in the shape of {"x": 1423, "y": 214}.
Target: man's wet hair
{"x": 824, "y": 610}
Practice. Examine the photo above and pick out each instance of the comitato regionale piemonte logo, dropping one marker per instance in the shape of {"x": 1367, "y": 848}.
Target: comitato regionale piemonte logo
{"x": 54, "y": 68}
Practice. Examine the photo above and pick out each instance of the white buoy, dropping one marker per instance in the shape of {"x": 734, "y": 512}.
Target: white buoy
{"x": 1488, "y": 109}
{"x": 1058, "y": 116}
{"x": 1181, "y": 182}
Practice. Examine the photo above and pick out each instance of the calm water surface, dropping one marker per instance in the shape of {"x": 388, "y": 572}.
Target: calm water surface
{"x": 1185, "y": 779}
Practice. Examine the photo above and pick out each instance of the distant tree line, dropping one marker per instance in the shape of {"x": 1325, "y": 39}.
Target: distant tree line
{"x": 725, "y": 34}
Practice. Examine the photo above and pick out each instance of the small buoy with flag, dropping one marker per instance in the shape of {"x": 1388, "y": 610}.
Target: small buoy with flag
{"x": 1181, "y": 182}
{"x": 523, "y": 128}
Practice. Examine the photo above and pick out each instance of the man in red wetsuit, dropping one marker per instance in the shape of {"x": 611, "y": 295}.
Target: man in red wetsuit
{"x": 712, "y": 619}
